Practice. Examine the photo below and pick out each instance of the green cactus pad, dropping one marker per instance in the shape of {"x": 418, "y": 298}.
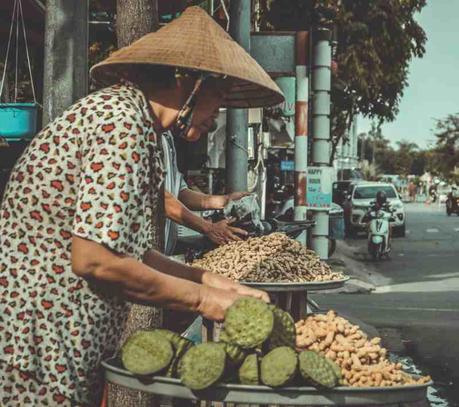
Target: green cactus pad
{"x": 146, "y": 352}
{"x": 248, "y": 322}
{"x": 284, "y": 331}
{"x": 235, "y": 354}
{"x": 317, "y": 369}
{"x": 336, "y": 369}
{"x": 179, "y": 343}
{"x": 202, "y": 365}
{"x": 249, "y": 372}
{"x": 279, "y": 366}
{"x": 223, "y": 337}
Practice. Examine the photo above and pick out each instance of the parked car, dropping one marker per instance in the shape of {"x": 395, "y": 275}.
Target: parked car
{"x": 358, "y": 202}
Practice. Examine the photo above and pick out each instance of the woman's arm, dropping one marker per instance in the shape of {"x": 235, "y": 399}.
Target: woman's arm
{"x": 179, "y": 213}
{"x": 156, "y": 260}
{"x": 219, "y": 232}
{"x": 143, "y": 284}
{"x": 197, "y": 201}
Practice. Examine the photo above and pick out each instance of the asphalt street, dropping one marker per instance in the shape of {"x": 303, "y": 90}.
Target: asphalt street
{"x": 415, "y": 305}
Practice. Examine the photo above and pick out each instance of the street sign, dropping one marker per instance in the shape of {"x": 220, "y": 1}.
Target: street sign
{"x": 319, "y": 187}
{"x": 287, "y": 165}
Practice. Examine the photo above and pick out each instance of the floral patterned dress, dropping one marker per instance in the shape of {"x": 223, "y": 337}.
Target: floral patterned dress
{"x": 94, "y": 173}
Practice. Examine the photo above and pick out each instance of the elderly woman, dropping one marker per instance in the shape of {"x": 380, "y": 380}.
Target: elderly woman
{"x": 76, "y": 221}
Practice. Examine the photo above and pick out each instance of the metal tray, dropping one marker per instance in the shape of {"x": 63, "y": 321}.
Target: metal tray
{"x": 237, "y": 393}
{"x": 306, "y": 286}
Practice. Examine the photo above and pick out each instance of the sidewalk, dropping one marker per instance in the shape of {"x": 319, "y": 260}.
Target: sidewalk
{"x": 364, "y": 278}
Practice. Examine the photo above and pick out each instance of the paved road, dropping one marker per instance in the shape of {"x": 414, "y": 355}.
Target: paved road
{"x": 417, "y": 295}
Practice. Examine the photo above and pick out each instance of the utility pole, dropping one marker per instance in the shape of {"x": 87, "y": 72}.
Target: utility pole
{"x": 301, "y": 125}
{"x": 66, "y": 56}
{"x": 321, "y": 85}
{"x": 237, "y": 119}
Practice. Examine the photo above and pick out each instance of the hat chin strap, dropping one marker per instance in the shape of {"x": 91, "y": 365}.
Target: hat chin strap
{"x": 185, "y": 115}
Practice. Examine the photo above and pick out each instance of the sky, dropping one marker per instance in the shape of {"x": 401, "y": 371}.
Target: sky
{"x": 433, "y": 81}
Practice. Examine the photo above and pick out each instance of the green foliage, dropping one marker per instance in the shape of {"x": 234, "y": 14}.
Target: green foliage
{"x": 376, "y": 40}
{"x": 446, "y": 151}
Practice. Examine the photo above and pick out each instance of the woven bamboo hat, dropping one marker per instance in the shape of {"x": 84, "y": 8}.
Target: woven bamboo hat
{"x": 196, "y": 41}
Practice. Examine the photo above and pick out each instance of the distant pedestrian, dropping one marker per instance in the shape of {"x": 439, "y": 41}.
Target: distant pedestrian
{"x": 412, "y": 190}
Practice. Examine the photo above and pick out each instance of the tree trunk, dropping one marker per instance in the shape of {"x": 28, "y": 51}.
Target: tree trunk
{"x": 136, "y": 18}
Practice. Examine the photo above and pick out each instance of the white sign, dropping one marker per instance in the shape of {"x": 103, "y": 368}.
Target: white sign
{"x": 319, "y": 187}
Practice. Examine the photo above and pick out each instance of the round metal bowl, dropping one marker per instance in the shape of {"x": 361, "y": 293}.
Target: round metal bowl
{"x": 306, "y": 286}
{"x": 237, "y": 393}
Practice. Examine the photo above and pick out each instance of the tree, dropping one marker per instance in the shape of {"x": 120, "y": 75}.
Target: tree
{"x": 446, "y": 151}
{"x": 134, "y": 19}
{"x": 376, "y": 40}
{"x": 405, "y": 156}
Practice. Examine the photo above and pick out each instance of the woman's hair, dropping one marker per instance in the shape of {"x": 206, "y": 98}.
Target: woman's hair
{"x": 157, "y": 75}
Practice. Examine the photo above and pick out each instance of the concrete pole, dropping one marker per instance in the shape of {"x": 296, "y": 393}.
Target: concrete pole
{"x": 301, "y": 125}
{"x": 321, "y": 84}
{"x": 66, "y": 56}
{"x": 237, "y": 119}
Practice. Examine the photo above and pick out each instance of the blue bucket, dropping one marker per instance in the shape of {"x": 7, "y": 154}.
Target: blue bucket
{"x": 18, "y": 120}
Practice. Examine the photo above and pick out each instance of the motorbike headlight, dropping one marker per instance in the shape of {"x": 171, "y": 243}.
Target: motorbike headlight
{"x": 397, "y": 205}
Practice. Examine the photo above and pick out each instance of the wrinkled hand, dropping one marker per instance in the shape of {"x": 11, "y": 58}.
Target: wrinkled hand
{"x": 222, "y": 232}
{"x": 214, "y": 302}
{"x": 224, "y": 283}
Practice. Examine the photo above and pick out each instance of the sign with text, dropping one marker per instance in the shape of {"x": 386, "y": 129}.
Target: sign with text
{"x": 319, "y": 187}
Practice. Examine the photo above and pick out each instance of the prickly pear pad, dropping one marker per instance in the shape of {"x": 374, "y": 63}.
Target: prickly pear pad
{"x": 279, "y": 366}
{"x": 235, "y": 353}
{"x": 249, "y": 372}
{"x": 249, "y": 322}
{"x": 202, "y": 365}
{"x": 180, "y": 345}
{"x": 284, "y": 331}
{"x": 336, "y": 369}
{"x": 146, "y": 352}
{"x": 316, "y": 369}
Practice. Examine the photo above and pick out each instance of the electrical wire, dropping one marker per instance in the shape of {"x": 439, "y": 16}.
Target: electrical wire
{"x": 27, "y": 52}
{"x": 8, "y": 48}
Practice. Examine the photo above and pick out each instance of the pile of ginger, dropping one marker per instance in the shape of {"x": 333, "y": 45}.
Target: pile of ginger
{"x": 363, "y": 361}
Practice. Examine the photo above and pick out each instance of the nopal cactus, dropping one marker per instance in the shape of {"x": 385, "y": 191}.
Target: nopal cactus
{"x": 180, "y": 346}
{"x": 249, "y": 371}
{"x": 279, "y": 366}
{"x": 316, "y": 369}
{"x": 248, "y": 322}
{"x": 146, "y": 352}
{"x": 284, "y": 331}
{"x": 202, "y": 365}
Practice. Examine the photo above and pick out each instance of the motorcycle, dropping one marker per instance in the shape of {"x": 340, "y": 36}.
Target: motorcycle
{"x": 452, "y": 202}
{"x": 379, "y": 233}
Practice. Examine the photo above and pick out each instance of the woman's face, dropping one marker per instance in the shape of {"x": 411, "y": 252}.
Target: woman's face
{"x": 210, "y": 98}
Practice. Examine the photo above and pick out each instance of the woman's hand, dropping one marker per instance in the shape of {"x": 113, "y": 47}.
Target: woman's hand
{"x": 222, "y": 232}
{"x": 214, "y": 302}
{"x": 224, "y": 283}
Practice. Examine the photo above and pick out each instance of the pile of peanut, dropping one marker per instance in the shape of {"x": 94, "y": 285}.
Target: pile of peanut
{"x": 271, "y": 258}
{"x": 362, "y": 360}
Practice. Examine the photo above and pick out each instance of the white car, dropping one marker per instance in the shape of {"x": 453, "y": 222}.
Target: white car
{"x": 363, "y": 193}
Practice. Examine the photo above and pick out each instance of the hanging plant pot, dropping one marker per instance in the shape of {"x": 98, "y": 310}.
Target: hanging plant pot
{"x": 18, "y": 121}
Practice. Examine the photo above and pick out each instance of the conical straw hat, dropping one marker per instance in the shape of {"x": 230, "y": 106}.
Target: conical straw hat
{"x": 196, "y": 41}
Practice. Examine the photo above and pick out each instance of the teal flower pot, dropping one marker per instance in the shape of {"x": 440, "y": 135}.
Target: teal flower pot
{"x": 18, "y": 120}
